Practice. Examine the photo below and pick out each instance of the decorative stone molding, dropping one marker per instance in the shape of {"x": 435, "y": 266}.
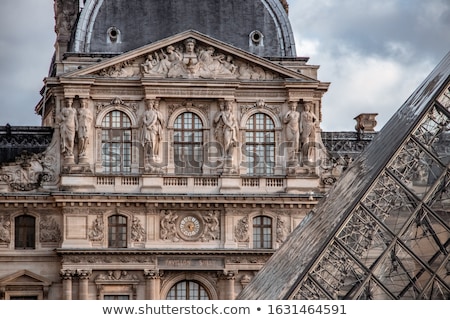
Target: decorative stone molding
{"x": 116, "y": 103}
{"x": 261, "y": 104}
{"x": 137, "y": 231}
{"x": 49, "y": 230}
{"x": 241, "y": 230}
{"x": 5, "y": 229}
{"x": 116, "y": 275}
{"x": 29, "y": 171}
{"x": 97, "y": 231}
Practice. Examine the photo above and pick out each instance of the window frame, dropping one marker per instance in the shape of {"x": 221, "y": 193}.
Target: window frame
{"x": 260, "y": 140}
{"x": 201, "y": 294}
{"x": 192, "y": 151}
{"x": 25, "y": 234}
{"x": 116, "y": 140}
{"x": 262, "y": 232}
{"x": 122, "y": 241}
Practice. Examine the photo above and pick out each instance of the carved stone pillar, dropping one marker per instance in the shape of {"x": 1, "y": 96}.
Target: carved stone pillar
{"x": 227, "y": 279}
{"x": 84, "y": 276}
{"x": 152, "y": 284}
{"x": 67, "y": 276}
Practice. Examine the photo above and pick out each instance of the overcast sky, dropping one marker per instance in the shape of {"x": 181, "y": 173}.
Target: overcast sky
{"x": 374, "y": 53}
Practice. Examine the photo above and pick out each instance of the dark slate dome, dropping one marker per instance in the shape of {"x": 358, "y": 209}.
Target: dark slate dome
{"x": 114, "y": 26}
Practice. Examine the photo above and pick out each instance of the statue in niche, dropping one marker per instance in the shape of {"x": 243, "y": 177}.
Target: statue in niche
{"x": 308, "y": 121}
{"x": 68, "y": 124}
{"x": 291, "y": 119}
{"x": 84, "y": 122}
{"x": 226, "y": 127}
{"x": 152, "y": 129}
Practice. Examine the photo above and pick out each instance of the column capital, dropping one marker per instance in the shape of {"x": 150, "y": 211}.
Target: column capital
{"x": 153, "y": 274}
{"x": 84, "y": 274}
{"x": 67, "y": 274}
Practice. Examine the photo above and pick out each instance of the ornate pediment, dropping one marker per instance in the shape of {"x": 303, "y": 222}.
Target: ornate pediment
{"x": 190, "y": 55}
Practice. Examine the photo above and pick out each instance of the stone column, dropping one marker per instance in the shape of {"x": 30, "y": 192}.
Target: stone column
{"x": 227, "y": 279}
{"x": 84, "y": 276}
{"x": 152, "y": 284}
{"x": 67, "y": 276}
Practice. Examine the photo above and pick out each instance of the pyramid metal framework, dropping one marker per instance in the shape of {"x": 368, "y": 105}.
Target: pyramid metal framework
{"x": 383, "y": 231}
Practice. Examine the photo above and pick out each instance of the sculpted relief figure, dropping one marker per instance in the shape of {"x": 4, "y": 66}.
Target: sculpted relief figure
{"x": 152, "y": 129}
{"x": 189, "y": 61}
{"x": 292, "y": 121}
{"x": 68, "y": 124}
{"x": 308, "y": 121}
{"x": 84, "y": 123}
{"x": 160, "y": 63}
{"x": 226, "y": 127}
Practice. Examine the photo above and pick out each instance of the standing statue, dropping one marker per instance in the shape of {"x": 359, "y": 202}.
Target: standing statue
{"x": 308, "y": 122}
{"x": 152, "y": 128}
{"x": 84, "y": 123}
{"x": 226, "y": 128}
{"x": 291, "y": 119}
{"x": 68, "y": 124}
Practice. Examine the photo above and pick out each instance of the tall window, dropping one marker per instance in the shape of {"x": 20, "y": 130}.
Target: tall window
{"x": 260, "y": 145}
{"x": 188, "y": 143}
{"x": 116, "y": 143}
{"x": 117, "y": 231}
{"x": 262, "y": 232}
{"x": 25, "y": 232}
{"x": 187, "y": 290}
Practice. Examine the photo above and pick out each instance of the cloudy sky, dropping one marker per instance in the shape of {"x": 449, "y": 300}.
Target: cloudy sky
{"x": 374, "y": 53}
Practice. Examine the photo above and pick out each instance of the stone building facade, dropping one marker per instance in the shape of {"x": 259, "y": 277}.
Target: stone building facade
{"x": 176, "y": 160}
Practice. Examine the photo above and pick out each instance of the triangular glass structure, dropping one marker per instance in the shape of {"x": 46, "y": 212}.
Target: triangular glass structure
{"x": 383, "y": 231}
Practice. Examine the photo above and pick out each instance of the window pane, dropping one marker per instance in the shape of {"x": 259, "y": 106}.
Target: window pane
{"x": 188, "y": 143}
{"x": 187, "y": 290}
{"x": 260, "y": 145}
{"x": 262, "y": 232}
{"x": 116, "y": 143}
{"x": 117, "y": 231}
{"x": 25, "y": 232}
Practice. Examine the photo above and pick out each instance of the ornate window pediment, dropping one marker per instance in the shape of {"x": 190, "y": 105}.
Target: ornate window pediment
{"x": 24, "y": 284}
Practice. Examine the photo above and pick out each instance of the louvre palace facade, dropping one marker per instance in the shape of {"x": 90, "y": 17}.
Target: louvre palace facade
{"x": 180, "y": 146}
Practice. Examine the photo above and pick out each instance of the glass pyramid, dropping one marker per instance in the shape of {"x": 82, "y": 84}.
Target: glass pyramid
{"x": 383, "y": 231}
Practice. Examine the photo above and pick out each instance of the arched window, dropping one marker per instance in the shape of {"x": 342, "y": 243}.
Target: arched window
{"x": 116, "y": 143}
{"x": 188, "y": 143}
{"x": 260, "y": 145}
{"x": 117, "y": 231}
{"x": 187, "y": 290}
{"x": 25, "y": 232}
{"x": 262, "y": 232}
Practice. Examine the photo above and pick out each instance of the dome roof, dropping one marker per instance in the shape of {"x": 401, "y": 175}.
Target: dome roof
{"x": 261, "y": 27}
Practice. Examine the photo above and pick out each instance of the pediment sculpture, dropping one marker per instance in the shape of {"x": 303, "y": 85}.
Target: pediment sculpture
{"x": 189, "y": 59}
